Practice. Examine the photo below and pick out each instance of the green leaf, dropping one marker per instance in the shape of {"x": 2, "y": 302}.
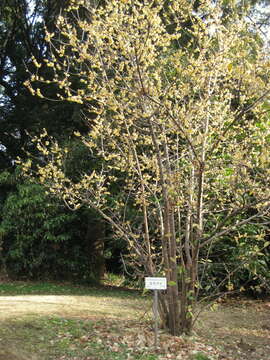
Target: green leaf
{"x": 228, "y": 171}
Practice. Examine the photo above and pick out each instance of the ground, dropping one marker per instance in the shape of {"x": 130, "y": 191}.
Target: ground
{"x": 240, "y": 327}
{"x": 56, "y": 322}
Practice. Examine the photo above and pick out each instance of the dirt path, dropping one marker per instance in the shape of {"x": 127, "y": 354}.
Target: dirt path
{"x": 73, "y": 306}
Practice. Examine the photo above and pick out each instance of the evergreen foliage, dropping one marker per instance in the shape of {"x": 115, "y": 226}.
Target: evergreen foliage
{"x": 42, "y": 239}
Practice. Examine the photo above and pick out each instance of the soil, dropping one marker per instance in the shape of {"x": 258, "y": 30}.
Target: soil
{"x": 240, "y": 328}
{"x": 63, "y": 305}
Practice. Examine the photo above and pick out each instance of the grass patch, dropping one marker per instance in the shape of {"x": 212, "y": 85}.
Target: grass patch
{"x": 47, "y": 288}
{"x": 53, "y": 338}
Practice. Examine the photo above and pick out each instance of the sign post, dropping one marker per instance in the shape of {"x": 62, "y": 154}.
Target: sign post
{"x": 156, "y": 284}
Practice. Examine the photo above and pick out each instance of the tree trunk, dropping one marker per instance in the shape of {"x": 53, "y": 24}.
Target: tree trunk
{"x": 95, "y": 239}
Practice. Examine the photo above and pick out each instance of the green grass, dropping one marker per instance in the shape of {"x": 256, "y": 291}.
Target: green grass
{"x": 200, "y": 356}
{"x": 47, "y": 288}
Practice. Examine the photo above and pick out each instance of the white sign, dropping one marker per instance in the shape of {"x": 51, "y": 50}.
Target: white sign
{"x": 156, "y": 283}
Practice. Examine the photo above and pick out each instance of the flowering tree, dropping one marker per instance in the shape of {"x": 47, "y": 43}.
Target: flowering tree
{"x": 180, "y": 133}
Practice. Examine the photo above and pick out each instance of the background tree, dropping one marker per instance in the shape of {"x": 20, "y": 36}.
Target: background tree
{"x": 41, "y": 239}
{"x": 22, "y": 39}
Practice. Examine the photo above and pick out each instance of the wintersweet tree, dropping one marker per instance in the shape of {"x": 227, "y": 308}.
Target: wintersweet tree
{"x": 180, "y": 133}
